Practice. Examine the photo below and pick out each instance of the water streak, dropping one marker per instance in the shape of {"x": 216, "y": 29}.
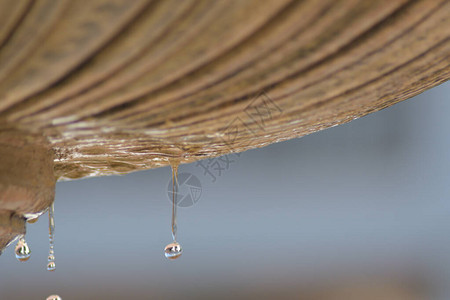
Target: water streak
{"x": 174, "y": 199}
{"x": 51, "y": 266}
{"x": 174, "y": 250}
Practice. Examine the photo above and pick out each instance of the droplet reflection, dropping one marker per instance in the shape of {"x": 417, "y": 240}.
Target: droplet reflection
{"x": 22, "y": 250}
{"x": 173, "y": 250}
{"x": 51, "y": 266}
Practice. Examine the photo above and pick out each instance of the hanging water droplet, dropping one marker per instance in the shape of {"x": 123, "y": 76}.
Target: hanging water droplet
{"x": 32, "y": 217}
{"x": 51, "y": 266}
{"x": 22, "y": 250}
{"x": 54, "y": 297}
{"x": 173, "y": 250}
{"x": 51, "y": 257}
{"x": 32, "y": 221}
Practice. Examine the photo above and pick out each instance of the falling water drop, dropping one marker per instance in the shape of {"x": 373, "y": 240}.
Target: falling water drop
{"x": 174, "y": 250}
{"x": 54, "y": 297}
{"x": 51, "y": 266}
{"x": 22, "y": 250}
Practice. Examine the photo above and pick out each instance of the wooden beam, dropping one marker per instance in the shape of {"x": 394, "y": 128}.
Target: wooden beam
{"x": 115, "y": 86}
{"x": 27, "y": 181}
{"x": 11, "y": 226}
{"x": 118, "y": 86}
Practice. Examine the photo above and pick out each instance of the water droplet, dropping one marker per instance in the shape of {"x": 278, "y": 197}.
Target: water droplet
{"x": 51, "y": 257}
{"x": 32, "y": 221}
{"x": 54, "y": 297}
{"x": 51, "y": 266}
{"x": 33, "y": 217}
{"x": 173, "y": 250}
{"x": 22, "y": 250}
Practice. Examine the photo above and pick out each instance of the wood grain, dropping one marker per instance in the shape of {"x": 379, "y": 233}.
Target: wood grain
{"x": 27, "y": 181}
{"x": 118, "y": 86}
{"x": 11, "y": 226}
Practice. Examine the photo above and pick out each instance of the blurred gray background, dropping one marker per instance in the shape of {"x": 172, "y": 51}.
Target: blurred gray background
{"x": 367, "y": 201}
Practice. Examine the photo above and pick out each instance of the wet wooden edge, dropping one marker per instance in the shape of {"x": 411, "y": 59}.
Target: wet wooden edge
{"x": 11, "y": 226}
{"x": 137, "y": 83}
